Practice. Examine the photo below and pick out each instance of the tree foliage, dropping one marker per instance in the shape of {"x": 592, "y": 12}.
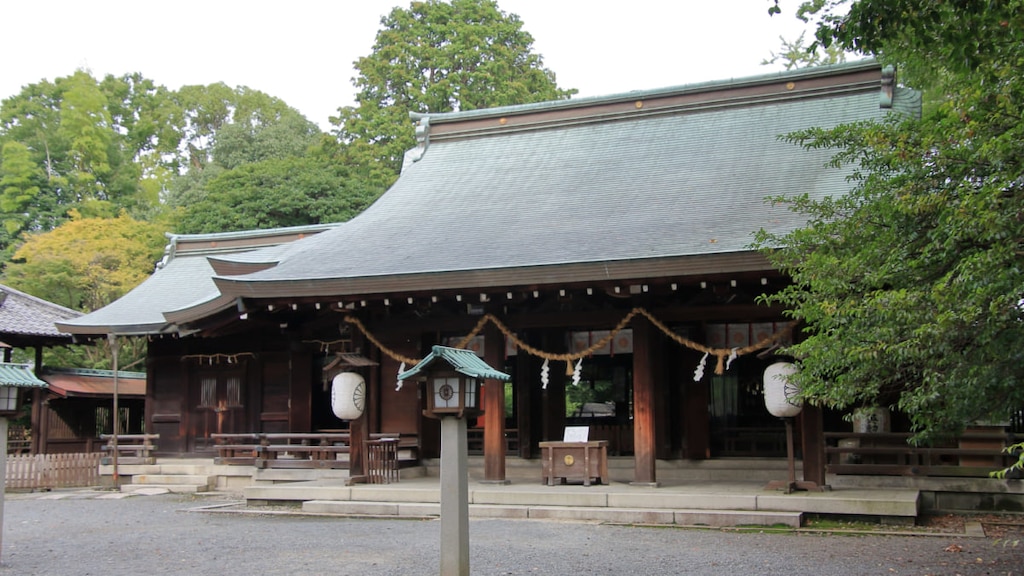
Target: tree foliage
{"x": 292, "y": 191}
{"x": 87, "y": 263}
{"x": 911, "y": 288}
{"x": 797, "y": 54}
{"x": 83, "y": 145}
{"x": 438, "y": 56}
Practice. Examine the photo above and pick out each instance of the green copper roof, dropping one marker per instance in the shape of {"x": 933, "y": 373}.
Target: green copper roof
{"x": 463, "y": 361}
{"x": 19, "y": 375}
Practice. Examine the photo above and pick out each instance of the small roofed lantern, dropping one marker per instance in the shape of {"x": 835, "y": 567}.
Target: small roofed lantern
{"x": 14, "y": 377}
{"x": 453, "y": 377}
{"x": 780, "y": 394}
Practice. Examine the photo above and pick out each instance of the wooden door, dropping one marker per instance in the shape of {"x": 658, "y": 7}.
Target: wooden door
{"x": 218, "y": 405}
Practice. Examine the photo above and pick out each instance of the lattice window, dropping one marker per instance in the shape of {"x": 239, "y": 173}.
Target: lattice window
{"x": 208, "y": 392}
{"x": 234, "y": 391}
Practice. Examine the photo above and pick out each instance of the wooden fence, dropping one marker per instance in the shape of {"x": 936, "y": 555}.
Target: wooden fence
{"x": 48, "y": 471}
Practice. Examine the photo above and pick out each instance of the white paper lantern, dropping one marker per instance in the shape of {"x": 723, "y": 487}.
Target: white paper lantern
{"x": 779, "y": 393}
{"x": 348, "y": 395}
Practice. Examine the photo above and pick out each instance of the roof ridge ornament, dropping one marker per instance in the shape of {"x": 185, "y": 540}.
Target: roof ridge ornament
{"x": 888, "y": 87}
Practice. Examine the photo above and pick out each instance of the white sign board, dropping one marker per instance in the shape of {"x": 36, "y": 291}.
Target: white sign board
{"x": 576, "y": 434}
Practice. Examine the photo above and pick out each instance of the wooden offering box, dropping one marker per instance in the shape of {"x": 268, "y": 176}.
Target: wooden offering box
{"x": 575, "y": 462}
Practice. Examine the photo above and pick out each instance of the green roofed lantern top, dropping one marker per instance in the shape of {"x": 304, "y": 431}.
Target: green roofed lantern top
{"x": 462, "y": 361}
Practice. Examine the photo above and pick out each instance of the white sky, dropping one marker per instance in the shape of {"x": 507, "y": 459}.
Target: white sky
{"x": 302, "y": 51}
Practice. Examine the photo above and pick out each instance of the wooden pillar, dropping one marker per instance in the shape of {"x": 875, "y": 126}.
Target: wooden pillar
{"x": 698, "y": 423}
{"x": 494, "y": 408}
{"x": 527, "y": 390}
{"x": 358, "y": 433}
{"x": 37, "y": 420}
{"x": 812, "y": 436}
{"x": 554, "y": 396}
{"x": 644, "y": 403}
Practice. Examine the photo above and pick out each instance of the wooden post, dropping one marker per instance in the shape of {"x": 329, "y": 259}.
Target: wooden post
{"x": 812, "y": 439}
{"x": 644, "y": 405}
{"x": 494, "y": 409}
{"x": 358, "y": 435}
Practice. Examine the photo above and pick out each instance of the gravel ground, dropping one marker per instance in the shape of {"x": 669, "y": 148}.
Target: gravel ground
{"x": 81, "y": 534}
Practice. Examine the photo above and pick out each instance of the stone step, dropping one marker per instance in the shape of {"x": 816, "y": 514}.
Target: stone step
{"x": 176, "y": 488}
{"x": 682, "y": 517}
{"x": 172, "y": 479}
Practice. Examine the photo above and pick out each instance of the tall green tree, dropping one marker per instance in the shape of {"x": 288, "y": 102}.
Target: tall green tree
{"x": 291, "y": 191}
{"x": 221, "y": 128}
{"x": 438, "y": 56}
{"x": 94, "y": 147}
{"x": 911, "y": 288}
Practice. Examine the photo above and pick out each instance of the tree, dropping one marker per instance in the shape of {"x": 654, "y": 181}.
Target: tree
{"x": 221, "y": 128}
{"x": 85, "y": 264}
{"x": 292, "y": 191}
{"x": 796, "y": 54}
{"x": 95, "y": 147}
{"x": 911, "y": 288}
{"x": 438, "y": 57}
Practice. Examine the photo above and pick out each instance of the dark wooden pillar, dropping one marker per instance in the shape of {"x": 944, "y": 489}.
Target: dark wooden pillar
{"x": 813, "y": 444}
{"x": 644, "y": 402}
{"x": 527, "y": 392}
{"x": 697, "y": 427}
{"x": 494, "y": 407}
{"x": 359, "y": 434}
{"x": 554, "y": 396}
{"x": 40, "y": 422}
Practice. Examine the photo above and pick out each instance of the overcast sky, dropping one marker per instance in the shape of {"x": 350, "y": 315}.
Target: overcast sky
{"x": 302, "y": 50}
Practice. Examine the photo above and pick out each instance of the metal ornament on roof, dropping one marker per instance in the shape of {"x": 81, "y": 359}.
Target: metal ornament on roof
{"x": 780, "y": 394}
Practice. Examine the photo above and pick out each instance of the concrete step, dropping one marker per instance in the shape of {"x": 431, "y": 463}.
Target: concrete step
{"x": 716, "y": 518}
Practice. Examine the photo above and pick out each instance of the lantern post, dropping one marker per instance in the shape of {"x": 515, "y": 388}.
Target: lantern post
{"x": 14, "y": 377}
{"x": 781, "y": 400}
{"x": 452, "y": 379}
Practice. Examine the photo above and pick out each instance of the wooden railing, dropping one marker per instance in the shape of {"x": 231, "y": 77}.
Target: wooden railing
{"x": 131, "y": 448}
{"x": 475, "y": 440}
{"x": 974, "y": 454}
{"x": 49, "y": 471}
{"x": 327, "y": 450}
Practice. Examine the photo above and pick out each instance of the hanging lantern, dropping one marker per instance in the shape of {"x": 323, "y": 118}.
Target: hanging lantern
{"x": 348, "y": 395}
{"x": 779, "y": 393}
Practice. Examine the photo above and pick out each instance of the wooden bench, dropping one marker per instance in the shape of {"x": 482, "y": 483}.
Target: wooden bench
{"x": 130, "y": 448}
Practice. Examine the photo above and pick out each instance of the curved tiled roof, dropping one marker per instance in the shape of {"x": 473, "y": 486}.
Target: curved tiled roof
{"x": 660, "y": 183}
{"x": 28, "y": 321}
{"x": 510, "y": 195}
{"x": 184, "y": 279}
